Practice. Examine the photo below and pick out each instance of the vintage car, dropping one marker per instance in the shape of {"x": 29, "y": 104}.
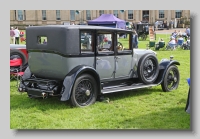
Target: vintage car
{"x": 78, "y": 73}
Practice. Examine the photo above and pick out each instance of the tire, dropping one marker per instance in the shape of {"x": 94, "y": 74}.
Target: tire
{"x": 84, "y": 92}
{"x": 14, "y": 53}
{"x": 148, "y": 68}
{"x": 171, "y": 79}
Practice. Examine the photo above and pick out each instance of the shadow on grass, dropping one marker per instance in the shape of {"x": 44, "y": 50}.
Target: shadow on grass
{"x": 172, "y": 119}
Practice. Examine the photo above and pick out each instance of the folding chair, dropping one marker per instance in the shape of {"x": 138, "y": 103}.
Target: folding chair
{"x": 160, "y": 45}
{"x": 16, "y": 69}
{"x": 180, "y": 43}
{"x": 151, "y": 44}
{"x": 171, "y": 46}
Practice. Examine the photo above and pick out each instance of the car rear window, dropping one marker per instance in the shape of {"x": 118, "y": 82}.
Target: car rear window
{"x": 42, "y": 40}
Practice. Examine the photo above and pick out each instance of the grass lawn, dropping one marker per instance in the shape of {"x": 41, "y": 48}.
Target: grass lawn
{"x": 137, "y": 109}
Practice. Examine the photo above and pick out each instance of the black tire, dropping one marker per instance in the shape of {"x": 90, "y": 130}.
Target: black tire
{"x": 171, "y": 79}
{"x": 14, "y": 53}
{"x": 84, "y": 91}
{"x": 148, "y": 68}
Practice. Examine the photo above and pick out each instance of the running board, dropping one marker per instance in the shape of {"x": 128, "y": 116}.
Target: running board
{"x": 125, "y": 88}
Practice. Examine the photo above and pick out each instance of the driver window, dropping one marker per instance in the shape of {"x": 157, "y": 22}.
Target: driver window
{"x": 123, "y": 41}
{"x": 104, "y": 41}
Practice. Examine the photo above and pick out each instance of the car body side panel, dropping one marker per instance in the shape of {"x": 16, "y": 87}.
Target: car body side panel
{"x": 54, "y": 66}
{"x": 105, "y": 67}
{"x": 123, "y": 66}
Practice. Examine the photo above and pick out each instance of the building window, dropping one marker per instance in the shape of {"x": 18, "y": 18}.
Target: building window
{"x": 88, "y": 15}
{"x": 57, "y": 14}
{"x": 20, "y": 15}
{"x": 161, "y": 14}
{"x": 44, "y": 17}
{"x": 130, "y": 14}
{"x": 72, "y": 15}
{"x": 101, "y": 12}
{"x": 178, "y": 14}
{"x": 115, "y": 12}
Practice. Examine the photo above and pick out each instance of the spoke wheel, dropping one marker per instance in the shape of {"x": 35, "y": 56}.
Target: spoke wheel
{"x": 171, "y": 79}
{"x": 148, "y": 69}
{"x": 84, "y": 91}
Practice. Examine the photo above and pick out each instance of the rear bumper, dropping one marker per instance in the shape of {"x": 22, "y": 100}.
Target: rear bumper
{"x": 36, "y": 87}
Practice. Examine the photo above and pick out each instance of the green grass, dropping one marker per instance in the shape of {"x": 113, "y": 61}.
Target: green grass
{"x": 137, "y": 109}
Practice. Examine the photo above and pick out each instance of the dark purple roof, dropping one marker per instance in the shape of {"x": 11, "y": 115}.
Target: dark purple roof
{"x": 108, "y": 19}
{"x": 105, "y": 19}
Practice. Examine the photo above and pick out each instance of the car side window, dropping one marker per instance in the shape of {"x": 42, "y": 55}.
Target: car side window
{"x": 123, "y": 41}
{"x": 105, "y": 42}
{"x": 86, "y": 38}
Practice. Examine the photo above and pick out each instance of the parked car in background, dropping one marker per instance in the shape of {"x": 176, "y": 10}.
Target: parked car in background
{"x": 160, "y": 24}
{"x": 19, "y": 51}
{"x": 66, "y": 68}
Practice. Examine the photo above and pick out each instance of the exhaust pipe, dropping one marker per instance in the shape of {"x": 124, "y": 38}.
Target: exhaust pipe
{"x": 44, "y": 95}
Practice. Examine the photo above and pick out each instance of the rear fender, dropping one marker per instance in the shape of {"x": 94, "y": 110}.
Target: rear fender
{"x": 163, "y": 66}
{"x": 71, "y": 77}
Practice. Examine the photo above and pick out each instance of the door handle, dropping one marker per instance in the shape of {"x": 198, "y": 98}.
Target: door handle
{"x": 117, "y": 57}
{"x": 98, "y": 58}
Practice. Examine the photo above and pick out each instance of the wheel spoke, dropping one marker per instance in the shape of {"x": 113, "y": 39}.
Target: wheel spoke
{"x": 80, "y": 92}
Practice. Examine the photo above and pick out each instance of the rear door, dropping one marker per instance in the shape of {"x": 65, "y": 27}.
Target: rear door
{"x": 105, "y": 59}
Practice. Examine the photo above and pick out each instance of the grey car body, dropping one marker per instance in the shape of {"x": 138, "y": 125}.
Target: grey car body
{"x": 64, "y": 67}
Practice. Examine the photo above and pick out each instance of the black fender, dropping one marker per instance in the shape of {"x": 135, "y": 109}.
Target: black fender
{"x": 163, "y": 66}
{"x": 71, "y": 77}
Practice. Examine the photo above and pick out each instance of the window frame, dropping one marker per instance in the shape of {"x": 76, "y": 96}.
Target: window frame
{"x": 130, "y": 14}
{"x": 161, "y": 14}
{"x": 116, "y": 12}
{"x": 88, "y": 15}
{"x": 178, "y": 12}
{"x": 110, "y": 52}
{"x": 58, "y": 15}
{"x": 101, "y": 12}
{"x": 87, "y": 52}
{"x": 72, "y": 14}
{"x": 44, "y": 15}
{"x": 20, "y": 15}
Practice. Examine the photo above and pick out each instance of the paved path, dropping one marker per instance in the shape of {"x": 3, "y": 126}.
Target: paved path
{"x": 170, "y": 31}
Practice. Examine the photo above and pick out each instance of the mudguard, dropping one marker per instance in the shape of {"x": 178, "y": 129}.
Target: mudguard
{"x": 70, "y": 79}
{"x": 163, "y": 66}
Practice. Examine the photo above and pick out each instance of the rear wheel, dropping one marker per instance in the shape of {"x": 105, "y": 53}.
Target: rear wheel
{"x": 84, "y": 92}
{"x": 171, "y": 79}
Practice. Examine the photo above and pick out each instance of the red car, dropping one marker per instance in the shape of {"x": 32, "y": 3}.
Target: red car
{"x": 18, "y": 52}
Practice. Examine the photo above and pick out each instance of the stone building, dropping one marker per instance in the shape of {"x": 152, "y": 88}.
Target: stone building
{"x": 24, "y": 18}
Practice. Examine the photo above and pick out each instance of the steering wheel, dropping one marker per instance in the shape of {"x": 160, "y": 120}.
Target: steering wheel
{"x": 120, "y": 46}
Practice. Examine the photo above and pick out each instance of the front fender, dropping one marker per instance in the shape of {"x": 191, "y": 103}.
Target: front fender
{"x": 163, "y": 66}
{"x": 70, "y": 79}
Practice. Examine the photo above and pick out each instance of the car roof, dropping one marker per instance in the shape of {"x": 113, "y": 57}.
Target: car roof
{"x": 81, "y": 27}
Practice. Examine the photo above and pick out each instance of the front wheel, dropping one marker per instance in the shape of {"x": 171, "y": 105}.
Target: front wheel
{"x": 171, "y": 79}
{"x": 84, "y": 92}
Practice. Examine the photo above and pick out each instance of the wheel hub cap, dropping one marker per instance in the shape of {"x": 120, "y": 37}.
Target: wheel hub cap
{"x": 87, "y": 92}
{"x": 175, "y": 79}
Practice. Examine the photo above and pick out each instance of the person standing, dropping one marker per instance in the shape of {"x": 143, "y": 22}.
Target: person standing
{"x": 135, "y": 39}
{"x": 187, "y": 31}
{"x": 12, "y": 36}
{"x": 17, "y": 34}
